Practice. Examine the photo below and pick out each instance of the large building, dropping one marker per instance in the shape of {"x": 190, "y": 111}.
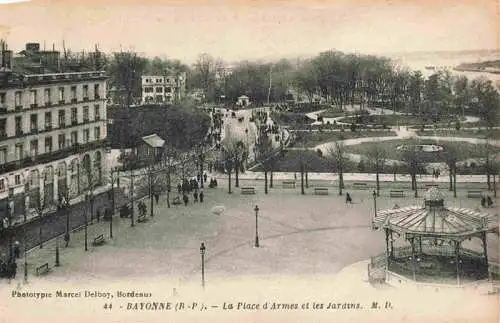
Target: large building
{"x": 52, "y": 129}
{"x": 163, "y": 89}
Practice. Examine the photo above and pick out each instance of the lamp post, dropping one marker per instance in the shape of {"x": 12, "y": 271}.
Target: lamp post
{"x": 25, "y": 258}
{"x": 87, "y": 197}
{"x": 374, "y": 194}
{"x": 202, "y": 252}
{"x": 57, "y": 252}
{"x": 256, "y": 209}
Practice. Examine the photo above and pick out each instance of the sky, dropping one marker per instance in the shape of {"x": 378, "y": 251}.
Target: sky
{"x": 238, "y": 29}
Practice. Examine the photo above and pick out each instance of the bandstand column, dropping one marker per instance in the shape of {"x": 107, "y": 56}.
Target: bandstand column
{"x": 485, "y": 248}
{"x": 420, "y": 245}
{"x": 412, "y": 240}
{"x": 457, "y": 250}
{"x": 392, "y": 247}
{"x": 387, "y": 243}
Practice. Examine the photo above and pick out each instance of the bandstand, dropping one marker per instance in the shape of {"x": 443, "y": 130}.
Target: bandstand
{"x": 433, "y": 243}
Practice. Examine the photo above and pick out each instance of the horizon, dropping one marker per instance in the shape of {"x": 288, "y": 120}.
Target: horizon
{"x": 282, "y": 30}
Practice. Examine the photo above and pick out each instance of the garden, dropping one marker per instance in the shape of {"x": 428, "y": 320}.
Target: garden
{"x": 311, "y": 139}
{"x": 394, "y": 120}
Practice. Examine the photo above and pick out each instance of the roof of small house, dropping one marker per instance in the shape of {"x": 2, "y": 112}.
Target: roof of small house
{"x": 154, "y": 141}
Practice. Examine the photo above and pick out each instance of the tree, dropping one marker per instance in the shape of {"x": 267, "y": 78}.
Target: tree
{"x": 337, "y": 153}
{"x": 377, "y": 156}
{"x": 239, "y": 155}
{"x": 412, "y": 161}
{"x": 229, "y": 151}
{"x": 305, "y": 79}
{"x": 265, "y": 153}
{"x": 126, "y": 70}
{"x": 451, "y": 159}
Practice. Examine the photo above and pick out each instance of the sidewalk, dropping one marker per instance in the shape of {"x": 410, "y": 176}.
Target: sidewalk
{"x": 361, "y": 177}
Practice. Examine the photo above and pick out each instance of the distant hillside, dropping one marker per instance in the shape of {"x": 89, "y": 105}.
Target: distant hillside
{"x": 481, "y": 65}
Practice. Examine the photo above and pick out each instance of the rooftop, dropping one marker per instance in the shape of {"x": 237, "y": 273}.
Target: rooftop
{"x": 154, "y": 141}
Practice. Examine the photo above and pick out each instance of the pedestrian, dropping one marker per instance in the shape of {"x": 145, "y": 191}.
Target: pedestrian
{"x": 483, "y": 201}
{"x": 98, "y": 214}
{"x": 295, "y": 176}
{"x": 348, "y": 198}
{"x": 205, "y": 177}
{"x": 13, "y": 269}
{"x": 490, "y": 201}
{"x": 179, "y": 188}
{"x": 198, "y": 177}
{"x": 195, "y": 196}
{"x": 157, "y": 197}
{"x": 17, "y": 249}
{"x": 185, "y": 198}
{"x": 66, "y": 239}
{"x": 201, "y": 196}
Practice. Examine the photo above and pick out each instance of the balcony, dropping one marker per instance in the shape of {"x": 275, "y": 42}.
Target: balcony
{"x": 3, "y": 109}
{"x": 74, "y": 122}
{"x": 74, "y": 100}
{"x": 97, "y": 97}
{"x": 62, "y": 125}
{"x": 48, "y": 127}
{"x": 18, "y": 107}
{"x": 53, "y": 156}
{"x": 85, "y": 120}
{"x": 48, "y": 103}
{"x": 62, "y": 101}
{"x": 85, "y": 99}
{"x": 34, "y": 130}
{"x": 19, "y": 132}
{"x": 33, "y": 105}
{"x": 3, "y": 135}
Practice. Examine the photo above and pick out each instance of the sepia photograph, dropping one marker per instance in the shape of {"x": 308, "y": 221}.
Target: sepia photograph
{"x": 249, "y": 161}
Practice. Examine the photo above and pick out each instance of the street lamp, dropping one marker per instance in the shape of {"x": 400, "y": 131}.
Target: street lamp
{"x": 57, "y": 252}
{"x": 87, "y": 198}
{"x": 202, "y": 252}
{"x": 25, "y": 258}
{"x": 374, "y": 194}
{"x": 256, "y": 209}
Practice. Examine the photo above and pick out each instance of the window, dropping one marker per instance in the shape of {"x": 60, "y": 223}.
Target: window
{"x": 97, "y": 95}
{"x": 85, "y": 92}
{"x": 61, "y": 139}
{"x": 48, "y": 120}
{"x": 33, "y": 99}
{"x": 168, "y": 89}
{"x": 148, "y": 89}
{"x": 18, "y": 99}
{"x": 73, "y": 94}
{"x": 47, "y": 96}
{"x": 159, "y": 89}
{"x": 74, "y": 138}
{"x": 3, "y": 128}
{"x": 17, "y": 179}
{"x": 3, "y": 156}
{"x": 61, "y": 95}
{"x": 85, "y": 114}
{"x": 86, "y": 135}
{"x": 2, "y": 98}
{"x": 19, "y": 125}
{"x": 48, "y": 144}
{"x": 62, "y": 118}
{"x": 34, "y": 147}
{"x": 74, "y": 116}
{"x": 34, "y": 123}
{"x": 97, "y": 133}
{"x": 19, "y": 151}
{"x": 97, "y": 112}
{"x": 2, "y": 185}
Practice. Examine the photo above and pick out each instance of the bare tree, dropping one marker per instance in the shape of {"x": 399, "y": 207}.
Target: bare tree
{"x": 265, "y": 155}
{"x": 229, "y": 151}
{"x": 451, "y": 159}
{"x": 377, "y": 156}
{"x": 412, "y": 161}
{"x": 337, "y": 153}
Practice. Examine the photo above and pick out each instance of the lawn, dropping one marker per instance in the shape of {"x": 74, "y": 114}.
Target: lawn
{"x": 311, "y": 139}
{"x": 464, "y": 149}
{"x": 393, "y": 120}
{"x": 466, "y": 133}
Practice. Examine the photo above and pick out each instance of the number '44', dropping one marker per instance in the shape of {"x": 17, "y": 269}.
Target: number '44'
{"x": 108, "y": 306}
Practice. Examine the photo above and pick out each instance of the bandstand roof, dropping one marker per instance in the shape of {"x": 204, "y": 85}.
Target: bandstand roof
{"x": 434, "y": 219}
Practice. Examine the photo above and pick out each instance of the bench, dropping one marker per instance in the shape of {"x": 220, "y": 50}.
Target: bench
{"x": 396, "y": 194}
{"x": 43, "y": 269}
{"x": 142, "y": 219}
{"x": 474, "y": 194}
{"x": 321, "y": 191}
{"x": 247, "y": 190}
{"x": 360, "y": 186}
{"x": 99, "y": 240}
{"x": 288, "y": 184}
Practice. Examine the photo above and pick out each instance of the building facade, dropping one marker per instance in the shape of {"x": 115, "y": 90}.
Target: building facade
{"x": 163, "y": 89}
{"x": 52, "y": 137}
